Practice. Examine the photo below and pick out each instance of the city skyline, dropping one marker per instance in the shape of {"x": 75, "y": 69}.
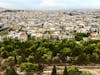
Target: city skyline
{"x": 50, "y": 4}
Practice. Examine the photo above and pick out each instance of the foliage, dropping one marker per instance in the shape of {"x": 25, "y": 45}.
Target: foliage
{"x": 29, "y": 66}
{"x": 79, "y": 36}
{"x": 10, "y": 60}
{"x": 46, "y": 50}
{"x": 73, "y": 70}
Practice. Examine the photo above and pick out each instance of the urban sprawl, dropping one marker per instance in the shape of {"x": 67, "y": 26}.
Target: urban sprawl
{"x": 49, "y": 24}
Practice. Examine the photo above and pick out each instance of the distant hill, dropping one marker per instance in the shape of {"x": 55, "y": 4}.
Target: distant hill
{"x": 6, "y": 10}
{"x": 2, "y": 9}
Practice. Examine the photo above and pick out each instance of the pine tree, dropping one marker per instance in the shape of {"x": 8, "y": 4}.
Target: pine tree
{"x": 65, "y": 71}
{"x": 54, "y": 70}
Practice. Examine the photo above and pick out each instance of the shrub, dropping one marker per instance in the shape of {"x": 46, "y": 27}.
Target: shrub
{"x": 73, "y": 70}
{"x": 19, "y": 59}
{"x": 11, "y": 60}
{"x": 29, "y": 66}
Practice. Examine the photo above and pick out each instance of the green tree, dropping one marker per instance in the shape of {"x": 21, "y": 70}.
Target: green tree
{"x": 82, "y": 59}
{"x": 89, "y": 49}
{"x": 78, "y": 49}
{"x": 41, "y": 54}
{"x": 64, "y": 53}
{"x": 46, "y": 57}
{"x": 73, "y": 70}
{"x": 30, "y": 59}
{"x": 94, "y": 57}
{"x": 19, "y": 59}
{"x": 79, "y": 36}
{"x": 29, "y": 66}
{"x": 11, "y": 61}
{"x": 4, "y": 54}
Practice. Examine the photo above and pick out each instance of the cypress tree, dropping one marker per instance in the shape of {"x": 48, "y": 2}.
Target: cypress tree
{"x": 54, "y": 70}
{"x": 15, "y": 59}
{"x": 65, "y": 71}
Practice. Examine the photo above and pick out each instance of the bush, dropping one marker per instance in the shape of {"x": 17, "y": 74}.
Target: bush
{"x": 73, "y": 70}
{"x": 28, "y": 66}
{"x": 19, "y": 59}
{"x": 30, "y": 59}
{"x": 79, "y": 36}
{"x": 11, "y": 60}
{"x": 4, "y": 54}
{"x": 3, "y": 67}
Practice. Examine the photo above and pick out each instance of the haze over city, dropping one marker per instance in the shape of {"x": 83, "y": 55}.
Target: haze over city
{"x": 50, "y": 4}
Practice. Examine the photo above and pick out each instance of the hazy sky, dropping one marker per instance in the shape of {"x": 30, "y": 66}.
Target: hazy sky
{"x": 50, "y": 4}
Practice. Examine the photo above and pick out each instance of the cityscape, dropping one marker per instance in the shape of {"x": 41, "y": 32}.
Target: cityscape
{"x": 49, "y": 41}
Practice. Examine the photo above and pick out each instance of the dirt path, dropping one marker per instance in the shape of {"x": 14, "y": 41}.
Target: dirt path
{"x": 95, "y": 70}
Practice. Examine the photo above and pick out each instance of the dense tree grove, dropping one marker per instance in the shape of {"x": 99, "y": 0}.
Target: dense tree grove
{"x": 47, "y": 51}
{"x": 31, "y": 54}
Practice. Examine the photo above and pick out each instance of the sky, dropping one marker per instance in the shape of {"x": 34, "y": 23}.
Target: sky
{"x": 50, "y": 4}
